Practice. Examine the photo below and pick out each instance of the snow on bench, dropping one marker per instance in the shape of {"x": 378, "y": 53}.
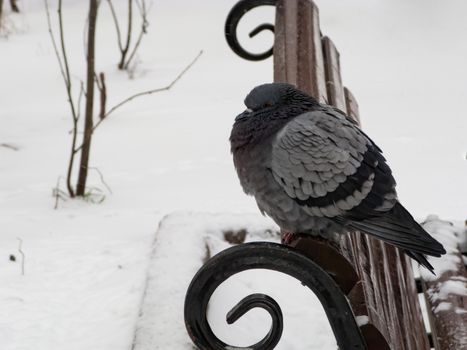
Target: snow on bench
{"x": 183, "y": 243}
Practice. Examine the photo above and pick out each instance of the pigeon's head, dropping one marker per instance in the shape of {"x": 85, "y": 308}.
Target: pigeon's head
{"x": 269, "y": 108}
{"x": 276, "y": 100}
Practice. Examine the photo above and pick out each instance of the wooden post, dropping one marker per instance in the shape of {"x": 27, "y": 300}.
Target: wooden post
{"x": 376, "y": 277}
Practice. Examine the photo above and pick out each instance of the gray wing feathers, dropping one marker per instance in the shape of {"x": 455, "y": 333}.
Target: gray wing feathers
{"x": 315, "y": 153}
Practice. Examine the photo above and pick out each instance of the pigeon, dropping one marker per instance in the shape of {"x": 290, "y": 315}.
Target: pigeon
{"x": 314, "y": 171}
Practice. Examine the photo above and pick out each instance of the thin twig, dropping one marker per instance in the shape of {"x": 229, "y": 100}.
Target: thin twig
{"x": 23, "y": 257}
{"x": 54, "y": 43}
{"x": 57, "y": 192}
{"x": 123, "y": 49}
{"x": 103, "y": 94}
{"x": 1, "y": 13}
{"x": 130, "y": 27}
{"x": 14, "y": 6}
{"x": 82, "y": 92}
{"x": 96, "y": 79}
{"x": 64, "y": 56}
{"x": 9, "y": 146}
{"x": 117, "y": 25}
{"x": 144, "y": 26}
{"x": 102, "y": 179}
{"x": 65, "y": 70}
{"x": 149, "y": 92}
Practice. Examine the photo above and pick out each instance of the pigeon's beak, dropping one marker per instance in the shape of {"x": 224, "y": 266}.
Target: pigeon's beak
{"x": 244, "y": 115}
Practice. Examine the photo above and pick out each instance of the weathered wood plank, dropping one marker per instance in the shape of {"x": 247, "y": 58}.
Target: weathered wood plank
{"x": 351, "y": 106}
{"x": 409, "y": 294}
{"x": 367, "y": 263}
{"x": 298, "y": 54}
{"x": 394, "y": 296}
{"x": 332, "y": 70}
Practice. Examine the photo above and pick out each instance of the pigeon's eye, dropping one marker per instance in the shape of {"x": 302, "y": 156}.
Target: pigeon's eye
{"x": 267, "y": 104}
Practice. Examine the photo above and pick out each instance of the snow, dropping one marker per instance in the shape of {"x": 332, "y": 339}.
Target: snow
{"x": 361, "y": 320}
{"x": 458, "y": 287}
{"x": 443, "y": 306}
{"x": 80, "y": 286}
{"x": 86, "y": 264}
{"x": 449, "y": 235}
{"x": 442, "y": 293}
{"x": 183, "y": 242}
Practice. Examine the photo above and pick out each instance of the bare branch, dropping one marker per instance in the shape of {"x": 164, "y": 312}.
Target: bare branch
{"x": 149, "y": 92}
{"x": 130, "y": 25}
{"x": 1, "y": 13}
{"x": 14, "y": 6}
{"x": 64, "y": 54}
{"x": 103, "y": 95}
{"x": 54, "y": 43}
{"x": 72, "y": 158}
{"x": 65, "y": 70}
{"x": 96, "y": 79}
{"x": 23, "y": 257}
{"x": 9, "y": 146}
{"x": 117, "y": 25}
{"x": 125, "y": 49}
{"x": 102, "y": 179}
{"x": 88, "y": 117}
{"x": 57, "y": 193}
{"x": 144, "y": 26}
{"x": 82, "y": 92}
{"x": 100, "y": 82}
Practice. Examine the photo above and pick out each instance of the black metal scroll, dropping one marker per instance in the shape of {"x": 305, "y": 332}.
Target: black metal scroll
{"x": 270, "y": 256}
{"x": 235, "y": 14}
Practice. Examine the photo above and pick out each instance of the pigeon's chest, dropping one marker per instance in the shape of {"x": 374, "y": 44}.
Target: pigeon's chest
{"x": 252, "y": 164}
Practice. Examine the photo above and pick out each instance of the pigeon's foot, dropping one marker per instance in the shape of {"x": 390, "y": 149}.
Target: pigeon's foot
{"x": 287, "y": 237}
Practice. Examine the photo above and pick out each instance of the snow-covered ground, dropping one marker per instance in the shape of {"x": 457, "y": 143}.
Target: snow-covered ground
{"x": 86, "y": 264}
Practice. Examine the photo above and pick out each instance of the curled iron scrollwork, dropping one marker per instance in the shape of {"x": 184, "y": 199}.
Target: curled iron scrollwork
{"x": 235, "y": 14}
{"x": 270, "y": 256}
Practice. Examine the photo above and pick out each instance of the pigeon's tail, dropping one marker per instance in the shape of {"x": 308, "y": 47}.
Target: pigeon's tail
{"x": 399, "y": 228}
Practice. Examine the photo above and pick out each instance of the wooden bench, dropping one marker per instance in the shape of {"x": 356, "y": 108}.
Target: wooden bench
{"x": 376, "y": 277}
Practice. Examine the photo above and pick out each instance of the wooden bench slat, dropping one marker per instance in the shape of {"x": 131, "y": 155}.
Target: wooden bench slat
{"x": 299, "y": 59}
{"x": 351, "y": 106}
{"x": 335, "y": 89}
